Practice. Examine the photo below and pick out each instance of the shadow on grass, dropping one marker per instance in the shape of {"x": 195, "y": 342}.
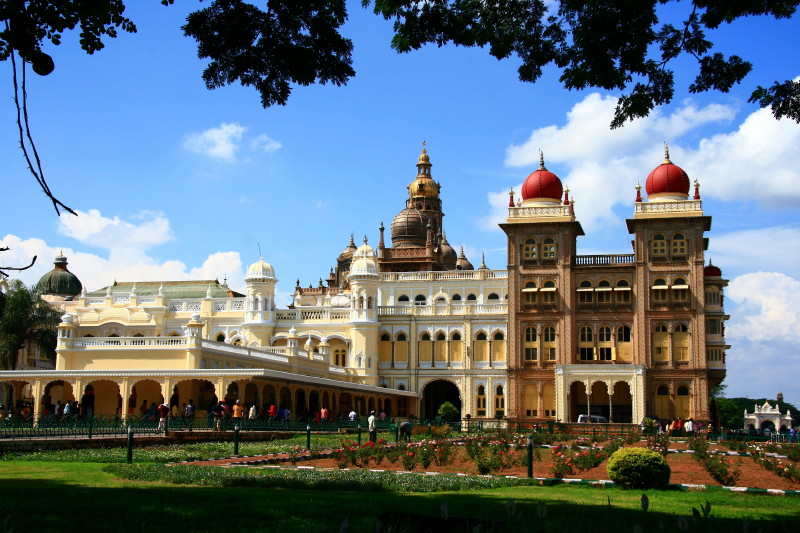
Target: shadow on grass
{"x": 47, "y": 505}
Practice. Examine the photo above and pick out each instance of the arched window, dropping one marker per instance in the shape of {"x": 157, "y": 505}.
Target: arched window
{"x": 456, "y": 347}
{"x": 530, "y": 344}
{"x": 603, "y": 292}
{"x": 480, "y": 336}
{"x": 680, "y": 343}
{"x": 385, "y": 348}
{"x": 682, "y": 402}
{"x": 441, "y": 300}
{"x": 549, "y": 249}
{"x": 499, "y": 402}
{"x": 680, "y": 291}
{"x": 529, "y": 250}
{"x": 441, "y": 337}
{"x": 663, "y": 407}
{"x": 548, "y": 291}
{"x": 386, "y": 337}
{"x": 622, "y": 292}
{"x": 586, "y": 344}
{"x": 585, "y": 292}
{"x": 401, "y": 349}
{"x": 419, "y": 299}
{"x": 480, "y": 401}
{"x": 456, "y": 298}
{"x": 660, "y": 344}
{"x": 658, "y": 246}
{"x": 425, "y": 349}
{"x": 456, "y": 336}
{"x": 549, "y": 343}
{"x": 624, "y": 334}
{"x": 605, "y": 345}
{"x": 529, "y": 293}
{"x": 401, "y": 337}
{"x": 403, "y": 298}
{"x": 221, "y": 338}
{"x": 659, "y": 291}
{"x": 682, "y": 391}
{"x": 494, "y": 296}
{"x": 425, "y": 337}
{"x": 471, "y": 298}
{"x": 663, "y": 391}
{"x": 679, "y": 245}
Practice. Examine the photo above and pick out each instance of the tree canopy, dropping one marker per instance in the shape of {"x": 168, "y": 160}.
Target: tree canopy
{"x": 25, "y": 321}
{"x": 272, "y": 45}
{"x": 616, "y": 46}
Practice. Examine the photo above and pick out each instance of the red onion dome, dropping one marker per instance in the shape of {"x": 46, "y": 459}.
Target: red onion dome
{"x": 542, "y": 184}
{"x": 668, "y": 179}
{"x": 712, "y": 271}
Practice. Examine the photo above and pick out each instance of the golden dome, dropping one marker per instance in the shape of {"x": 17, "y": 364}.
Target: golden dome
{"x": 423, "y": 187}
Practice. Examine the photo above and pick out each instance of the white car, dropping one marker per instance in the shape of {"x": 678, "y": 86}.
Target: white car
{"x": 592, "y": 419}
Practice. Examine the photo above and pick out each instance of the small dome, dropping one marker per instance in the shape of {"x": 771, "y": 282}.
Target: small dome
{"x": 364, "y": 260}
{"x": 60, "y": 281}
{"x": 712, "y": 271}
{"x": 351, "y": 248}
{"x": 409, "y": 226}
{"x": 340, "y": 300}
{"x": 542, "y": 185}
{"x": 463, "y": 263}
{"x": 668, "y": 181}
{"x": 449, "y": 257}
{"x": 260, "y": 270}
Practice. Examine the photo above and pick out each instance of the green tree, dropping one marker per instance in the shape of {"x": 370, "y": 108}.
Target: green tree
{"x": 25, "y": 321}
{"x": 448, "y": 411}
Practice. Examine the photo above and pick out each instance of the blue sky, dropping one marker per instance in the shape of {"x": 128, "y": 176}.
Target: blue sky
{"x": 177, "y": 182}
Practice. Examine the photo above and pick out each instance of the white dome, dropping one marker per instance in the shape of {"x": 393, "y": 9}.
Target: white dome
{"x": 364, "y": 265}
{"x": 259, "y": 270}
{"x": 340, "y": 300}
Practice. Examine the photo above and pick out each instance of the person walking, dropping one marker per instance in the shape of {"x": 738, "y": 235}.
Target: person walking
{"x": 372, "y": 424}
{"x": 238, "y": 413}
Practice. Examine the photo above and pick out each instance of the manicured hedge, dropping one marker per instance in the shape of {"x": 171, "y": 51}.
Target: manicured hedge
{"x": 351, "y": 480}
{"x": 638, "y": 468}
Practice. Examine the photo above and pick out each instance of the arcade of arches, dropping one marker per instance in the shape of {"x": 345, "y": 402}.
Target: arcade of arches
{"x": 106, "y": 395}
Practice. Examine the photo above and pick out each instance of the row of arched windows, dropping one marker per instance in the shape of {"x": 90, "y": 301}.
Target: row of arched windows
{"x": 539, "y": 342}
{"x": 664, "y": 294}
{"x": 543, "y": 250}
{"x": 421, "y": 299}
{"x": 674, "y": 246}
{"x": 440, "y": 348}
{"x": 668, "y": 407}
{"x": 499, "y": 402}
{"x": 604, "y": 343}
{"x": 604, "y": 292}
{"x": 671, "y": 345}
{"x": 539, "y": 293}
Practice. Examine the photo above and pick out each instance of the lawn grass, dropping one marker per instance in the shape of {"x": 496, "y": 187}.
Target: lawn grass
{"x": 63, "y": 496}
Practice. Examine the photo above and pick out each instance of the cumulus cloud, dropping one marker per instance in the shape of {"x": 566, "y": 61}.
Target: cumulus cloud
{"x": 219, "y": 143}
{"x": 744, "y": 250}
{"x": 125, "y": 255}
{"x": 263, "y": 143}
{"x": 224, "y": 142}
{"x": 755, "y": 162}
{"x": 765, "y": 307}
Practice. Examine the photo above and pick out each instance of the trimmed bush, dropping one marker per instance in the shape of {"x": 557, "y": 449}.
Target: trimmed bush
{"x": 638, "y": 468}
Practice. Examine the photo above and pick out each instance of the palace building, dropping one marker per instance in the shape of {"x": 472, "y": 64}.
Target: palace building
{"x": 405, "y": 326}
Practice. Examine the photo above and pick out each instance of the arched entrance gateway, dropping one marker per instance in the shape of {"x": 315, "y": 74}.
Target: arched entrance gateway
{"x": 435, "y": 394}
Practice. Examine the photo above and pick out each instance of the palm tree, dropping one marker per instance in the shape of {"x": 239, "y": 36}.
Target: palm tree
{"x": 25, "y": 321}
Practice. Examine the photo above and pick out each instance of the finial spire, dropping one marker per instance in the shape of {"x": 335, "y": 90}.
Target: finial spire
{"x": 541, "y": 160}
{"x": 511, "y": 197}
{"x": 666, "y": 153}
{"x": 638, "y": 193}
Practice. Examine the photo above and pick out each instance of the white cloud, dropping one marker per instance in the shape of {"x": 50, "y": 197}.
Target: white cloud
{"x": 126, "y": 243}
{"x": 766, "y": 307}
{"x": 224, "y": 142}
{"x": 744, "y": 250}
{"x": 263, "y": 143}
{"x": 93, "y": 228}
{"x": 755, "y": 162}
{"x": 217, "y": 143}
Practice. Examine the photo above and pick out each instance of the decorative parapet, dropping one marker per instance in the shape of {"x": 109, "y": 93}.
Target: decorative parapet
{"x": 520, "y": 214}
{"x": 320, "y": 315}
{"x": 689, "y": 207}
{"x": 460, "y": 309}
{"x": 446, "y": 275}
{"x": 604, "y": 260}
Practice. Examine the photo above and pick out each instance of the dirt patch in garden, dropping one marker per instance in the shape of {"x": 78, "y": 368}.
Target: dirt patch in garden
{"x": 685, "y": 469}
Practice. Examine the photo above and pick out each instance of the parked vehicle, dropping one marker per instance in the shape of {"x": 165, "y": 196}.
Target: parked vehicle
{"x": 592, "y": 419}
